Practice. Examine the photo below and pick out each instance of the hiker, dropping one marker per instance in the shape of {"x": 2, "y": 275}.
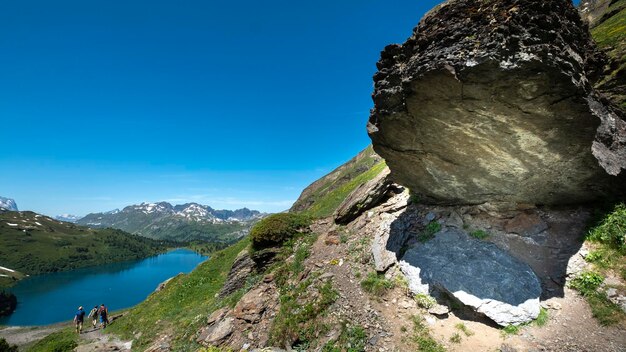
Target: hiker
{"x": 93, "y": 314}
{"x": 104, "y": 316}
{"x": 78, "y": 319}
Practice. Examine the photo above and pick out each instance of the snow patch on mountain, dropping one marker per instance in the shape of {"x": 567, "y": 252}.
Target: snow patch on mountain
{"x": 68, "y": 218}
{"x": 8, "y": 204}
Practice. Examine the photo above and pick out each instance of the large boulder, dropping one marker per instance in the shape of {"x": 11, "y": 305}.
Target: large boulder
{"x": 365, "y": 197}
{"x": 477, "y": 273}
{"x": 492, "y": 101}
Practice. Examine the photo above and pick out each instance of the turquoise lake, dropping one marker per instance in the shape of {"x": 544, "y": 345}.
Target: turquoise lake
{"x": 52, "y": 298}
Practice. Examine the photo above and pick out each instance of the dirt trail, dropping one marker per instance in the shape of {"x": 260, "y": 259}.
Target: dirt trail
{"x": 96, "y": 339}
{"x": 91, "y": 339}
{"x": 387, "y": 319}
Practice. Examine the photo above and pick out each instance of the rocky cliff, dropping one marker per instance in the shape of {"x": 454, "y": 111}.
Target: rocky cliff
{"x": 492, "y": 101}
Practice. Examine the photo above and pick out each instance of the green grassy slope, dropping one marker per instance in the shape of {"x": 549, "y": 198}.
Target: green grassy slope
{"x": 182, "y": 307}
{"x": 323, "y": 196}
{"x": 31, "y": 243}
{"x": 609, "y": 32}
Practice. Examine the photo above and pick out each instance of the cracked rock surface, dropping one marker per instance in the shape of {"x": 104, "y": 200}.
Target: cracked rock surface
{"x": 478, "y": 274}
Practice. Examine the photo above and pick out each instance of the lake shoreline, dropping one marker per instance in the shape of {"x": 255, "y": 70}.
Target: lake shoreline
{"x": 118, "y": 285}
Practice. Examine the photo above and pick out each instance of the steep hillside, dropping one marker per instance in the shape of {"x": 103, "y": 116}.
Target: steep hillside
{"x": 324, "y": 196}
{"x": 176, "y": 312}
{"x": 186, "y": 222}
{"x": 31, "y": 244}
{"x": 607, "y": 21}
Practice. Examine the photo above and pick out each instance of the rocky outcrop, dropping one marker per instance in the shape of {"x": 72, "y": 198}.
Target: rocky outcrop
{"x": 365, "y": 197}
{"x": 388, "y": 232}
{"x": 477, "y": 273}
{"x": 219, "y": 328}
{"x": 242, "y": 268}
{"x": 492, "y": 101}
{"x": 246, "y": 325}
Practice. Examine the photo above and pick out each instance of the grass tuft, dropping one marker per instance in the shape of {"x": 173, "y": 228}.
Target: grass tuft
{"x": 421, "y": 336}
{"x": 424, "y": 300}
{"x": 611, "y": 231}
{"x": 511, "y": 330}
{"x": 352, "y": 339}
{"x": 542, "y": 318}
{"x": 376, "y": 284}
{"x": 464, "y": 329}
{"x": 429, "y": 232}
{"x": 587, "y": 282}
{"x": 479, "y": 234}
{"x": 456, "y": 338}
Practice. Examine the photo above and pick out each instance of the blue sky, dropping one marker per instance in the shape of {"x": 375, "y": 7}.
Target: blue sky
{"x": 226, "y": 103}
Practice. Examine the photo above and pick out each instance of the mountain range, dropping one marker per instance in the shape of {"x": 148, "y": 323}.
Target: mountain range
{"x": 184, "y": 222}
{"x": 68, "y": 218}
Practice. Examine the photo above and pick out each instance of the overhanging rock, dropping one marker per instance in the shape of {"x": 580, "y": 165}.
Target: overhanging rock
{"x": 491, "y": 101}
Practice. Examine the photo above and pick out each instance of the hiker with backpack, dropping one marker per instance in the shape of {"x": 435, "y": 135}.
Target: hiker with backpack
{"x": 78, "y": 319}
{"x": 93, "y": 314}
{"x": 104, "y": 315}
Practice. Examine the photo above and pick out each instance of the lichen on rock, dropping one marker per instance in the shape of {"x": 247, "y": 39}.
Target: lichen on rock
{"x": 492, "y": 101}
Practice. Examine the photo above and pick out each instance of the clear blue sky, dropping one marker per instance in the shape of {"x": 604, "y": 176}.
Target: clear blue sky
{"x": 226, "y": 103}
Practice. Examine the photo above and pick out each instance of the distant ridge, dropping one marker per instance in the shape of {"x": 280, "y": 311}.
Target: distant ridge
{"x": 183, "y": 222}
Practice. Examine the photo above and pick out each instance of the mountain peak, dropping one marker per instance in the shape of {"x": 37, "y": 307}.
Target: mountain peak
{"x": 8, "y": 204}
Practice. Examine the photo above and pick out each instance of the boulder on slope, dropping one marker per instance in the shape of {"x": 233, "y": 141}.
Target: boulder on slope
{"x": 492, "y": 101}
{"x": 365, "y": 197}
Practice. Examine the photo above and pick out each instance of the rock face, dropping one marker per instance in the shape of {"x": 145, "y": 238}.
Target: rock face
{"x": 491, "y": 101}
{"x": 365, "y": 197}
{"x": 247, "y": 324}
{"x": 477, "y": 273}
{"x": 388, "y": 233}
{"x": 242, "y": 268}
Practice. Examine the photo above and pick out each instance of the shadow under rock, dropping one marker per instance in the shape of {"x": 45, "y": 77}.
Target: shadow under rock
{"x": 501, "y": 267}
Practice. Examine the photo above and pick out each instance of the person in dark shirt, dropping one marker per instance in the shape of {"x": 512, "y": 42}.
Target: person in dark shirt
{"x": 104, "y": 315}
{"x": 78, "y": 319}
